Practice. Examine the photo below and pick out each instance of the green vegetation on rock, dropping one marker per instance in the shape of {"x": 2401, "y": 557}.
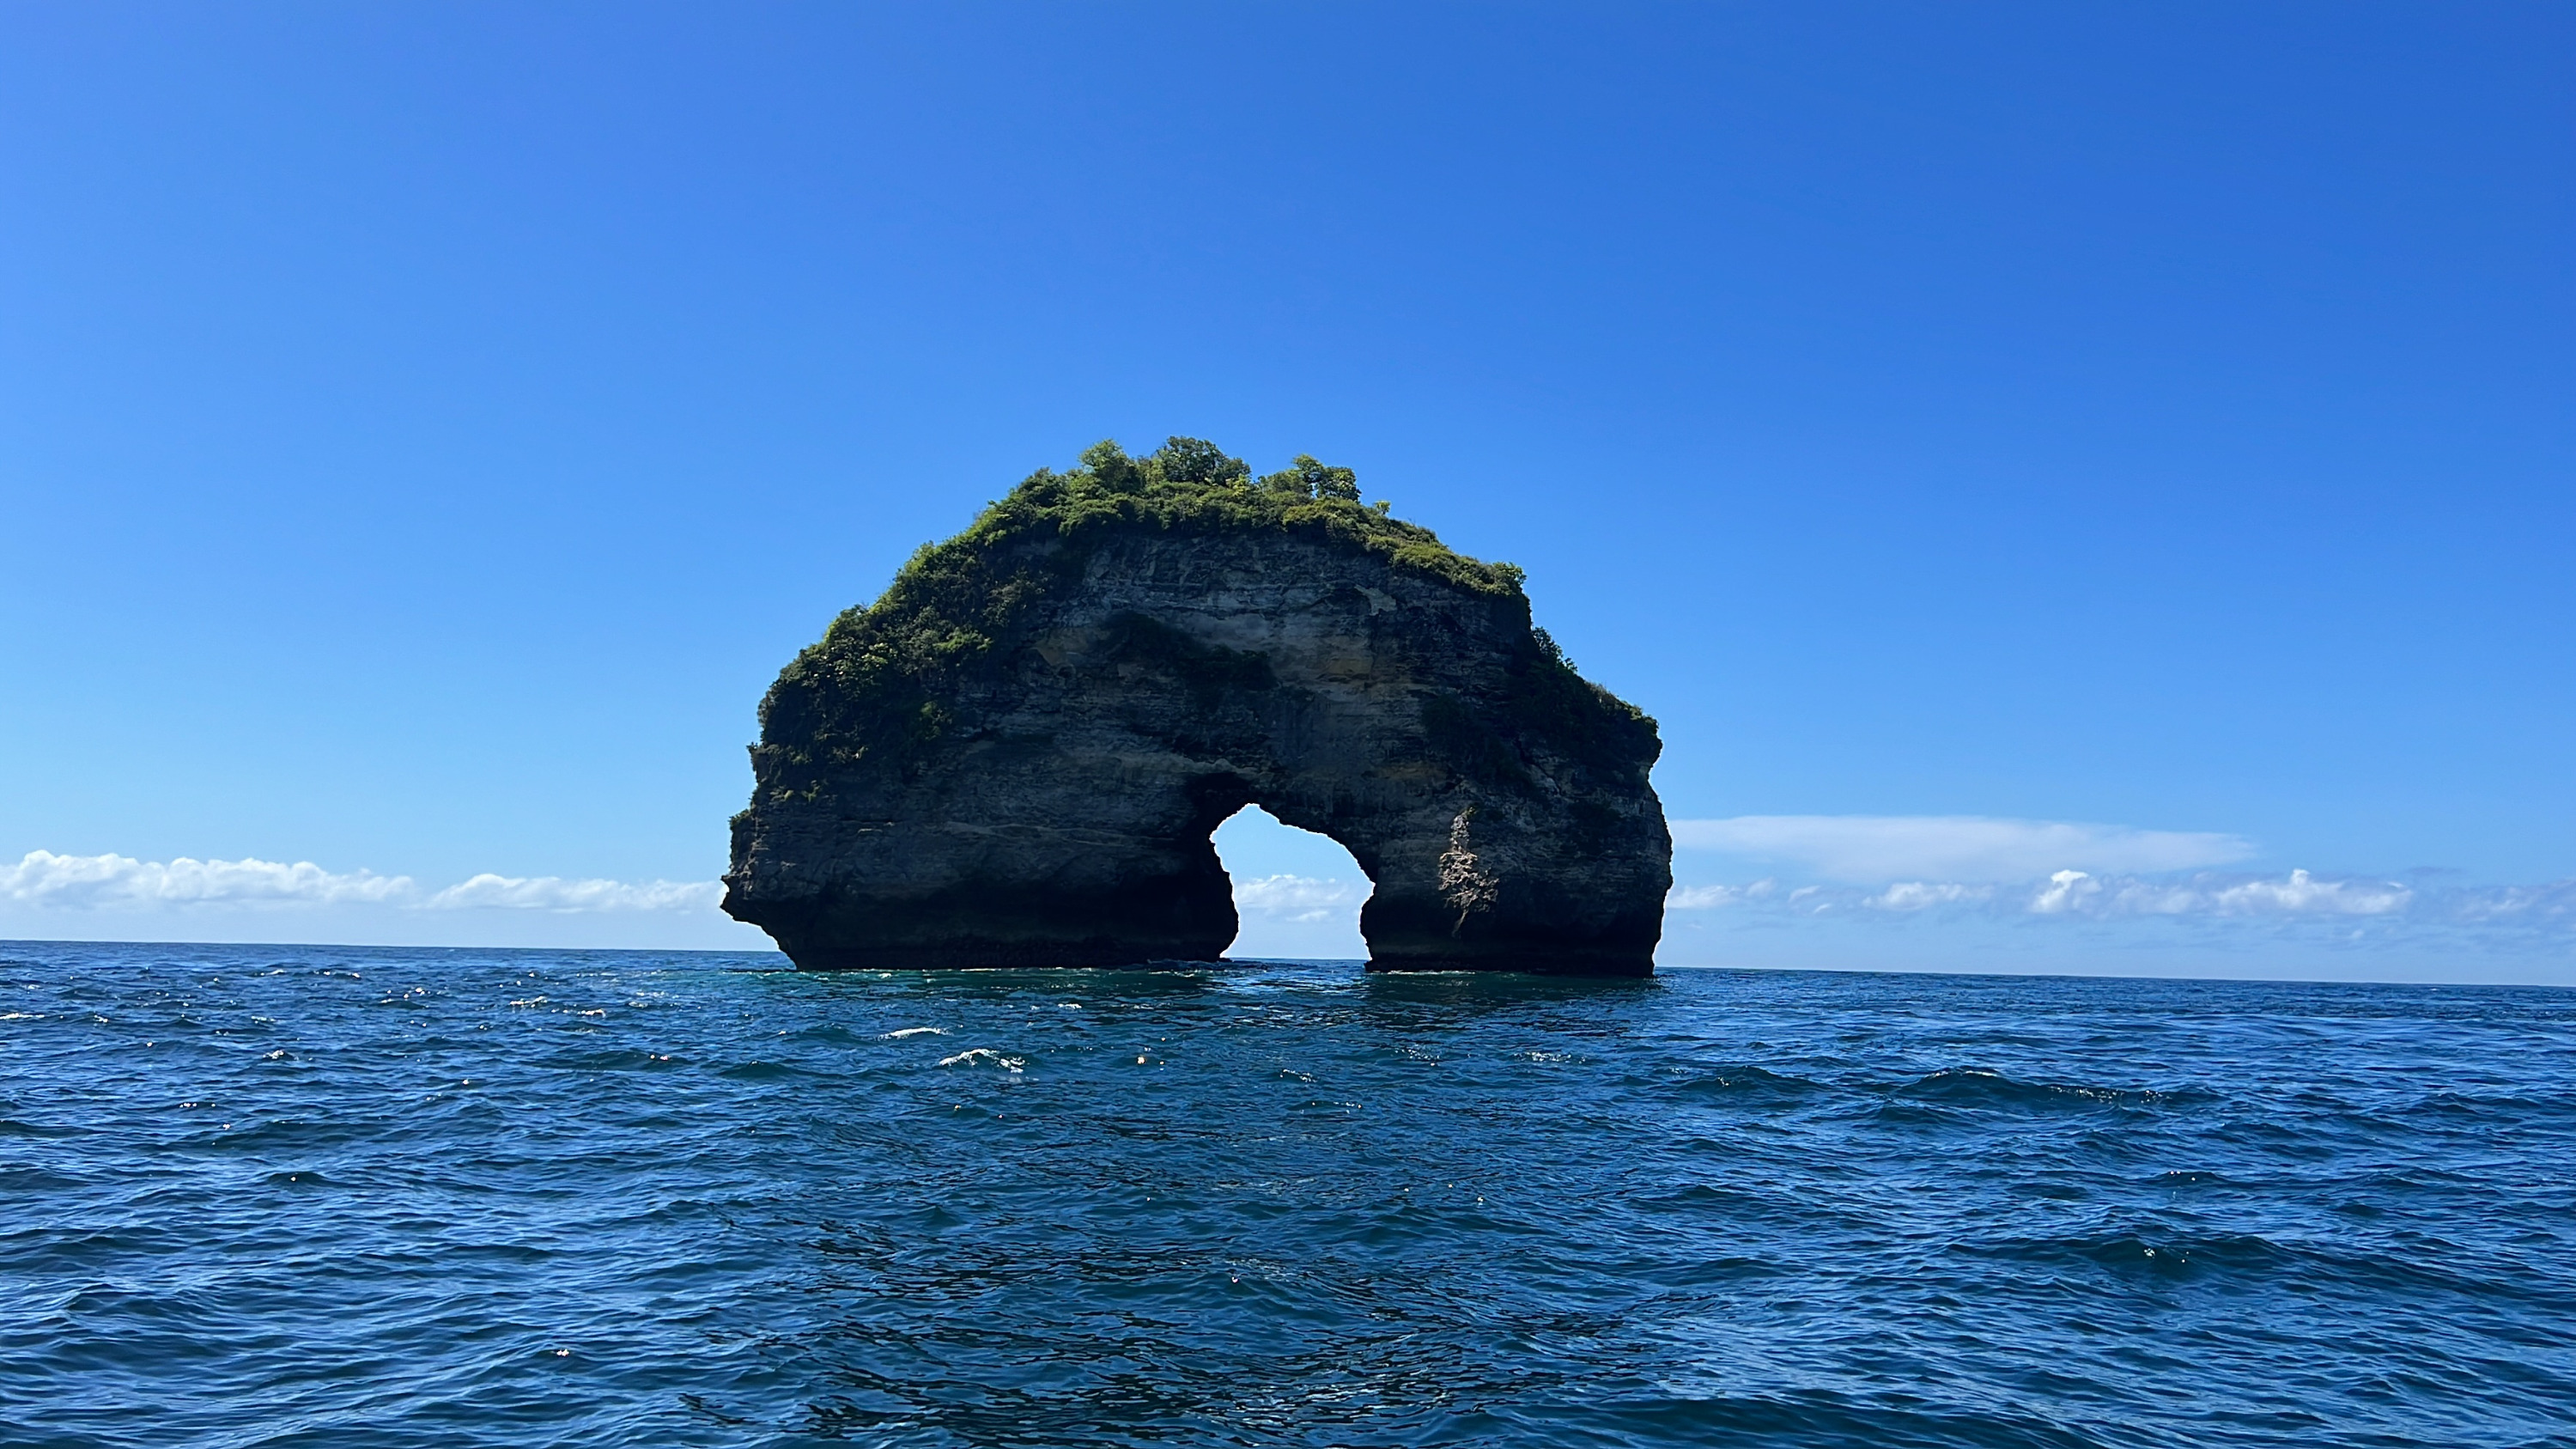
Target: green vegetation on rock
{"x": 1189, "y": 485}
{"x": 872, "y": 685}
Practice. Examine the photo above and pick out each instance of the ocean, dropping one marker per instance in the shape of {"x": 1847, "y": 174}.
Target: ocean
{"x": 358, "y": 1197}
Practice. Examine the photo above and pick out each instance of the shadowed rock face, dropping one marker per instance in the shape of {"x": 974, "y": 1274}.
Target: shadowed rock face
{"x": 1042, "y": 794}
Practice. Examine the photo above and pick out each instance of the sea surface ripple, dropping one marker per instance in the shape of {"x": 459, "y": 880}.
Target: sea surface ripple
{"x": 335, "y": 1196}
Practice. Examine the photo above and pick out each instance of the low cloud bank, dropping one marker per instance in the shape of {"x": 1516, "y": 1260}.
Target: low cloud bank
{"x": 1887, "y": 866}
{"x": 90, "y": 881}
{"x": 2073, "y": 892}
{"x": 2081, "y": 895}
{"x": 119, "y": 882}
{"x": 1873, "y": 848}
{"x": 1299, "y": 897}
{"x": 554, "y": 893}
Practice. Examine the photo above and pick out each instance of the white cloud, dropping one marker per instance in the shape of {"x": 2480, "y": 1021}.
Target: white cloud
{"x": 112, "y": 882}
{"x": 83, "y": 882}
{"x": 2073, "y": 892}
{"x": 2553, "y": 901}
{"x": 1874, "y": 848}
{"x": 2066, "y": 890}
{"x": 554, "y": 893}
{"x": 2302, "y": 893}
{"x": 1915, "y": 895}
{"x": 1299, "y": 897}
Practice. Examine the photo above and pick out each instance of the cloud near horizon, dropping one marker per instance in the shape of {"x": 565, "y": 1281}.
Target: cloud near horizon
{"x": 1299, "y": 897}
{"x": 554, "y": 893}
{"x": 1875, "y": 849}
{"x": 2071, "y": 892}
{"x": 2536, "y": 912}
{"x": 88, "y": 881}
{"x": 1886, "y": 866}
{"x": 96, "y": 882}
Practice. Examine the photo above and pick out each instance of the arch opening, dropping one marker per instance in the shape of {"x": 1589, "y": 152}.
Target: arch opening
{"x": 1297, "y": 894}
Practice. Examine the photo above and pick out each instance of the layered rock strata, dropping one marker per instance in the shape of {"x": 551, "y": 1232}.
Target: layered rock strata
{"x": 1017, "y": 756}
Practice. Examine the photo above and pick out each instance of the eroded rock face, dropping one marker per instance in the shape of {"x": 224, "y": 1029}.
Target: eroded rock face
{"x": 1037, "y": 785}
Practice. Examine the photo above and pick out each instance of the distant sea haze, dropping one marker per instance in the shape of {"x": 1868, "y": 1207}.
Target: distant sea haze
{"x": 534, "y": 1198}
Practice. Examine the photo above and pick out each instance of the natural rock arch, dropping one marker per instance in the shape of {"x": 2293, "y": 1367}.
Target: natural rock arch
{"x": 1018, "y": 755}
{"x": 1299, "y": 893}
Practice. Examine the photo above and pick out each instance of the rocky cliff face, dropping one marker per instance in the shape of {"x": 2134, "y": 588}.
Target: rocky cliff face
{"x": 1017, "y": 756}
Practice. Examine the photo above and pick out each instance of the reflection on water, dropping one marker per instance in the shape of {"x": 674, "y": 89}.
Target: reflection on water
{"x": 384, "y": 1197}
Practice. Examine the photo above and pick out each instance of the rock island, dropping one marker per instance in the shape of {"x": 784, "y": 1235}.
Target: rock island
{"x": 1015, "y": 757}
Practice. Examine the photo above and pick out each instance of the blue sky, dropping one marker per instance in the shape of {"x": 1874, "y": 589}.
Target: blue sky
{"x": 424, "y": 430}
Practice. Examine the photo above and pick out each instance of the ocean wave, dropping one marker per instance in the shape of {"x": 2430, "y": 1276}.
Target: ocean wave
{"x": 974, "y": 1056}
{"x": 616, "y": 1059}
{"x": 763, "y": 1071}
{"x": 2250, "y": 1260}
{"x": 17, "y": 1127}
{"x": 1980, "y": 1087}
{"x": 1747, "y": 1084}
{"x": 1828, "y": 1421}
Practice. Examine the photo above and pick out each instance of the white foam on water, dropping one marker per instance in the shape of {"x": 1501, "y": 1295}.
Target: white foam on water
{"x": 973, "y": 1055}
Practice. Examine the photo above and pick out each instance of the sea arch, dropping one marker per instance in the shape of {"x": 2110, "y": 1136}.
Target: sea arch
{"x": 1017, "y": 757}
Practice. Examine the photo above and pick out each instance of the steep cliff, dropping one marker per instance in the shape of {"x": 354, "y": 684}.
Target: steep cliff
{"x": 1016, "y": 756}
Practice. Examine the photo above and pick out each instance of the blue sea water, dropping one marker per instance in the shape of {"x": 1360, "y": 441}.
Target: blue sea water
{"x": 329, "y": 1196}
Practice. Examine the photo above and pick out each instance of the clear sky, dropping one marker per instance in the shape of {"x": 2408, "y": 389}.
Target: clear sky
{"x": 1994, "y": 441}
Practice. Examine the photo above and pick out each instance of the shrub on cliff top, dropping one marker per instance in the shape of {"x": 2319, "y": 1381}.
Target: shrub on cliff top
{"x": 1191, "y": 485}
